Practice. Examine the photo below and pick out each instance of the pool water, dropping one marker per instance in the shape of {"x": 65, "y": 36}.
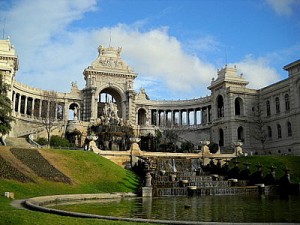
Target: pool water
{"x": 199, "y": 208}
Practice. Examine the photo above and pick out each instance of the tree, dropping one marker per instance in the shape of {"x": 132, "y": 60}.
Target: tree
{"x": 259, "y": 132}
{"x": 49, "y": 112}
{"x": 5, "y": 110}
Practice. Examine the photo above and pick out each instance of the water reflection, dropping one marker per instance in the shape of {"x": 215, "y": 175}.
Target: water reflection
{"x": 199, "y": 208}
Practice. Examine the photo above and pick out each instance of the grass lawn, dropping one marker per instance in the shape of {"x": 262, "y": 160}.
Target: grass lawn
{"x": 89, "y": 173}
{"x": 281, "y": 162}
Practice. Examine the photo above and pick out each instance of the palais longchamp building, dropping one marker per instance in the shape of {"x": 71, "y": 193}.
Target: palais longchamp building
{"x": 266, "y": 120}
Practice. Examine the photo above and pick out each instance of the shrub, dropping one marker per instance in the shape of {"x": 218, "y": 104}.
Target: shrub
{"x": 42, "y": 141}
{"x": 57, "y": 141}
{"x": 187, "y": 146}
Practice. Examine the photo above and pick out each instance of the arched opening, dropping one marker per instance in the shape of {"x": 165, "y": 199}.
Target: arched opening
{"x": 279, "y": 135}
{"x": 238, "y": 105}
{"x": 269, "y": 132}
{"x": 277, "y": 104}
{"x": 36, "y": 110}
{"x": 289, "y": 129}
{"x": 220, "y": 106}
{"x": 112, "y": 97}
{"x": 221, "y": 137}
{"x": 268, "y": 108}
{"x": 240, "y": 134}
{"x": 74, "y": 111}
{"x": 287, "y": 102}
{"x": 17, "y": 98}
{"x": 141, "y": 116}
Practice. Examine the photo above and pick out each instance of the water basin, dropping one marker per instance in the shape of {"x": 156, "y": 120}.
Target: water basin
{"x": 197, "y": 208}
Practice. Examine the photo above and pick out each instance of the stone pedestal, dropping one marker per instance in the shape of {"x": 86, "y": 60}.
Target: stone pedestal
{"x": 147, "y": 192}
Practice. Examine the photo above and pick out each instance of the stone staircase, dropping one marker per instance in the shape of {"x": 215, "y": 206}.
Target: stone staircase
{"x": 18, "y": 142}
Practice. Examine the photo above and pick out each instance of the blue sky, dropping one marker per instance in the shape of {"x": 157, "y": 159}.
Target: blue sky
{"x": 175, "y": 46}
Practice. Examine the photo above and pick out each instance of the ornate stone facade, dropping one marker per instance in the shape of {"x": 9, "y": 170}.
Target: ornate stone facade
{"x": 266, "y": 120}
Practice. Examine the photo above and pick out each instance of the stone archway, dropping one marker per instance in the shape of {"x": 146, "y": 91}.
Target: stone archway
{"x": 74, "y": 111}
{"x": 109, "y": 95}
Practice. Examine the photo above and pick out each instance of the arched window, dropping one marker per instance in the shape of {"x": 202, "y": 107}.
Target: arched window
{"x": 240, "y": 134}
{"x": 221, "y": 137}
{"x": 287, "y": 102}
{"x": 238, "y": 105}
{"x": 220, "y": 106}
{"x": 279, "y": 131}
{"x": 268, "y": 108}
{"x": 277, "y": 104}
{"x": 141, "y": 116}
{"x": 269, "y": 132}
{"x": 289, "y": 129}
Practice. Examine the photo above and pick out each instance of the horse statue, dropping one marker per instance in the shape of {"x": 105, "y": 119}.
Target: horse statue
{"x": 2, "y": 138}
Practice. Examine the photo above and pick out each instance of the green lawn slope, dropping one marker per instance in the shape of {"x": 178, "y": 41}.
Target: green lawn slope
{"x": 86, "y": 173}
{"x": 281, "y": 162}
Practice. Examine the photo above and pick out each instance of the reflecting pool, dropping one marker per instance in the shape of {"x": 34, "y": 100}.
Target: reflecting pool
{"x": 198, "y": 208}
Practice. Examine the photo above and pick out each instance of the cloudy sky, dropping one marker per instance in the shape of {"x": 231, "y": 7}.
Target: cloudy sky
{"x": 175, "y": 46}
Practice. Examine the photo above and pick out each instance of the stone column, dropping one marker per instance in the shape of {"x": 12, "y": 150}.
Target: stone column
{"x": 207, "y": 115}
{"x": 55, "y": 113}
{"x": 19, "y": 104}
{"x": 172, "y": 118}
{"x": 40, "y": 109}
{"x": 157, "y": 117}
{"x": 25, "y": 104}
{"x": 195, "y": 117}
{"x": 180, "y": 118}
{"x": 92, "y": 104}
{"x": 13, "y": 103}
{"x": 188, "y": 117}
{"x": 32, "y": 108}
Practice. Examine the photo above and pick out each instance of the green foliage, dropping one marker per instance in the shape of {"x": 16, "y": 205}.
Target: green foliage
{"x": 42, "y": 141}
{"x": 57, "y": 141}
{"x": 5, "y": 108}
{"x": 187, "y": 146}
{"x": 213, "y": 147}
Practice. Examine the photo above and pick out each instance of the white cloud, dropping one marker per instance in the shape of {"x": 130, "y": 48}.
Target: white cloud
{"x": 257, "y": 71}
{"x": 160, "y": 56}
{"x": 282, "y": 7}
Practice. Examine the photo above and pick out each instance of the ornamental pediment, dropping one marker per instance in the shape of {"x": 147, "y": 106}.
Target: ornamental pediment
{"x": 109, "y": 60}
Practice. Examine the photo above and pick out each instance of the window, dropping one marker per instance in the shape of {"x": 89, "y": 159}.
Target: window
{"x": 238, "y": 104}
{"x": 268, "y": 108}
{"x": 279, "y": 131}
{"x": 269, "y": 132}
{"x": 221, "y": 137}
{"x": 220, "y": 106}
{"x": 277, "y": 103}
{"x": 289, "y": 129}
{"x": 287, "y": 102}
{"x": 240, "y": 134}
{"x": 142, "y": 116}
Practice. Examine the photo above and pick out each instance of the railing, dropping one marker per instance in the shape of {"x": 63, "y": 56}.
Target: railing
{"x": 32, "y": 142}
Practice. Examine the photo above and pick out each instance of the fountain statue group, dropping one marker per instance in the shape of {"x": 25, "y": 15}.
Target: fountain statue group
{"x": 109, "y": 130}
{"x": 110, "y": 115}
